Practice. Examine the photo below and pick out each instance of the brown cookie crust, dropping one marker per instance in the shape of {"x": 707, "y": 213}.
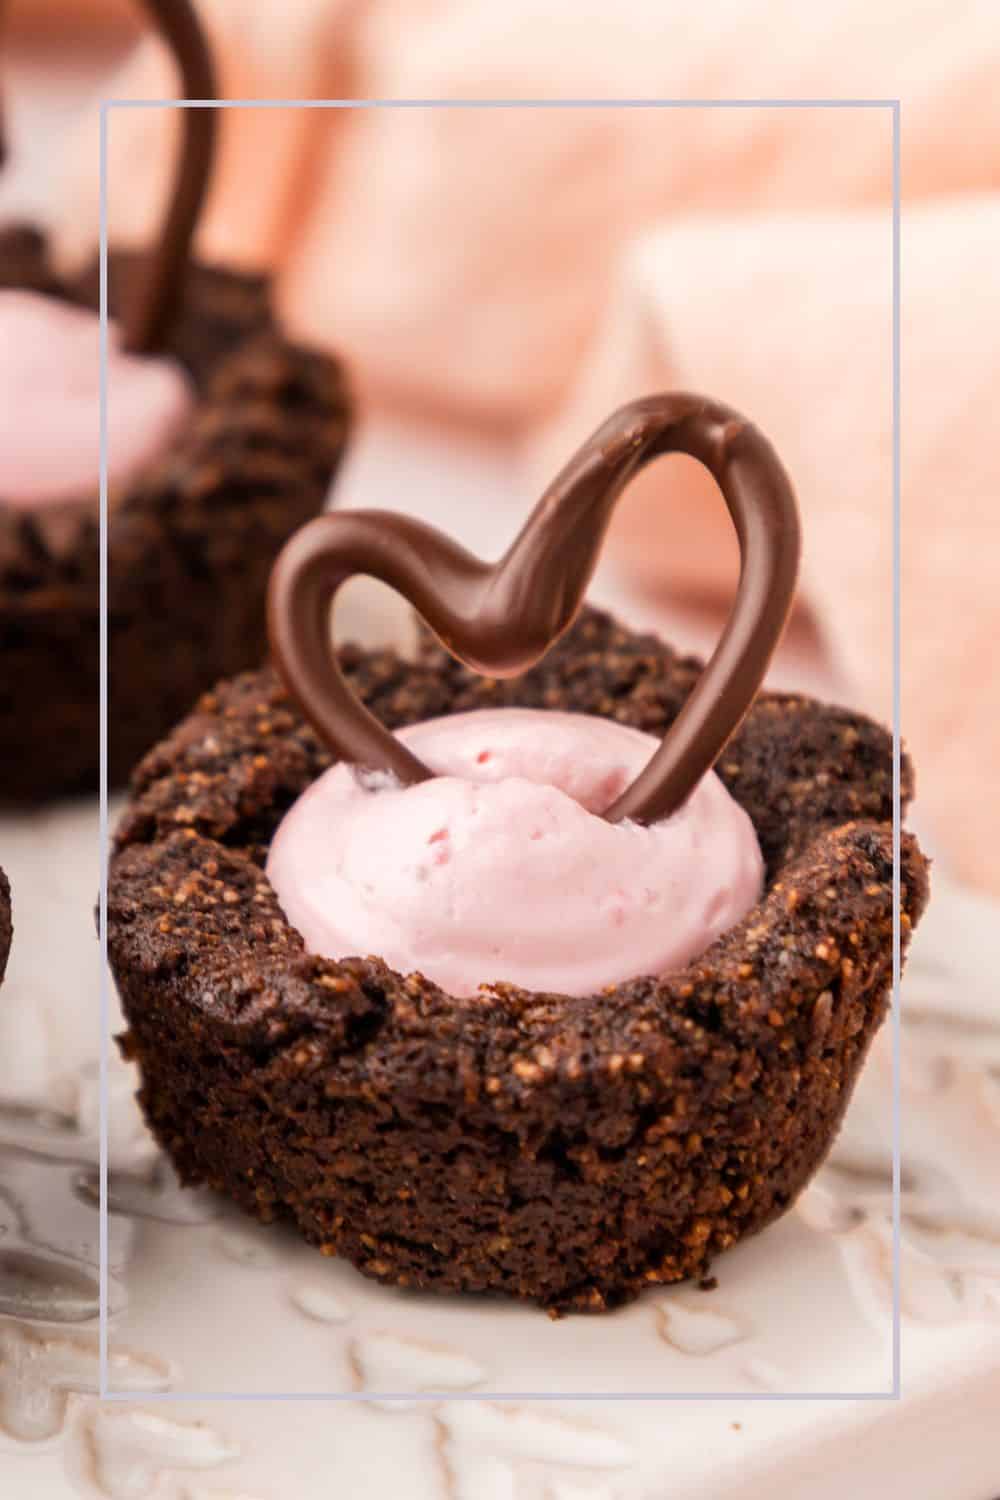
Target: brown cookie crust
{"x": 190, "y": 545}
{"x": 570, "y": 1151}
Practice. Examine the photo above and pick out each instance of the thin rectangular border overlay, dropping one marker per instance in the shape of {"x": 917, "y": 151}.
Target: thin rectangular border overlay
{"x": 892, "y": 105}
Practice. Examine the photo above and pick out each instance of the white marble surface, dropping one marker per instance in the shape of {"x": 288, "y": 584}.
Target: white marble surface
{"x": 206, "y": 1302}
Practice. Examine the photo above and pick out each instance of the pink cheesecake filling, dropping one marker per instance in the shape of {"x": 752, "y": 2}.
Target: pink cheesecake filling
{"x": 501, "y": 868}
{"x": 50, "y": 403}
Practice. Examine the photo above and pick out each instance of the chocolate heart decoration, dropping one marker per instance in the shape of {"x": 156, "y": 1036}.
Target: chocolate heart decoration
{"x": 155, "y": 304}
{"x": 501, "y": 618}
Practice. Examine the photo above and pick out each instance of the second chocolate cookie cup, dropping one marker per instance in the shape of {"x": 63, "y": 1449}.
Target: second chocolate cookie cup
{"x": 191, "y": 540}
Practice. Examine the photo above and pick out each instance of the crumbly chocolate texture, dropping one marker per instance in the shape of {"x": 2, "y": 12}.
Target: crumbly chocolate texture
{"x": 190, "y": 545}
{"x": 6, "y": 925}
{"x": 571, "y": 1151}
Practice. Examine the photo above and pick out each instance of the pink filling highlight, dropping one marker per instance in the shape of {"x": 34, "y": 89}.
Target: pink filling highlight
{"x": 502, "y": 869}
{"x": 50, "y": 403}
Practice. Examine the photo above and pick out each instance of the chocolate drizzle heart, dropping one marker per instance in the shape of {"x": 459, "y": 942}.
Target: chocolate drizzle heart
{"x": 154, "y": 302}
{"x": 500, "y": 618}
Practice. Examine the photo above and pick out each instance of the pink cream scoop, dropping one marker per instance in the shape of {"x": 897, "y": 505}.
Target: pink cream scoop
{"x": 50, "y": 403}
{"x": 502, "y": 868}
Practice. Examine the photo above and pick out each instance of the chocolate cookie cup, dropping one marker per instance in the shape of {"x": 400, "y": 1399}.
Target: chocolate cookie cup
{"x": 190, "y": 545}
{"x": 569, "y": 1151}
{"x": 6, "y": 925}
{"x": 192, "y": 534}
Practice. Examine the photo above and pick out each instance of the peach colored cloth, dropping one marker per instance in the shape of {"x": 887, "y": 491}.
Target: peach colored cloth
{"x": 791, "y": 320}
{"x": 524, "y": 269}
{"x": 462, "y": 258}
{"x": 34, "y": 18}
